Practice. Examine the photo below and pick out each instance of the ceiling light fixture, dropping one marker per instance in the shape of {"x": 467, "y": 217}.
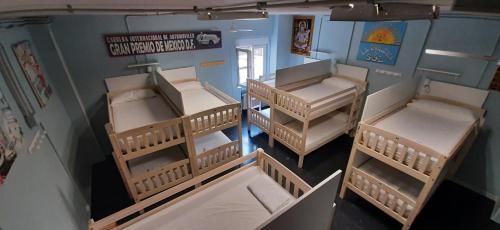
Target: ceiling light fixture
{"x": 233, "y": 15}
{"x": 384, "y": 12}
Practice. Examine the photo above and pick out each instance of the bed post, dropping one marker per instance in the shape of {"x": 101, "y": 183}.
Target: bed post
{"x": 248, "y": 99}
{"x": 121, "y": 164}
{"x": 348, "y": 170}
{"x": 188, "y": 133}
{"x": 240, "y": 140}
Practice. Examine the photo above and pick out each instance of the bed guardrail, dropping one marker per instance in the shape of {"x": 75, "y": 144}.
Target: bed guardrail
{"x": 216, "y": 119}
{"x": 259, "y": 119}
{"x": 218, "y": 156}
{"x": 288, "y": 137}
{"x": 403, "y": 154}
{"x": 292, "y": 105}
{"x": 390, "y": 200}
{"x": 143, "y": 140}
{"x": 158, "y": 180}
{"x": 260, "y": 90}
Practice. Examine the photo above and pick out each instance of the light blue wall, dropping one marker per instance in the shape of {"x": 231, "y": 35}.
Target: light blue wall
{"x": 481, "y": 167}
{"x": 81, "y": 41}
{"x": 38, "y": 186}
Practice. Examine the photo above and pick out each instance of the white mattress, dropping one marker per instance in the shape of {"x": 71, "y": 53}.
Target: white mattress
{"x": 321, "y": 129}
{"x": 210, "y": 141}
{"x": 135, "y": 114}
{"x": 198, "y": 100}
{"x": 225, "y": 205}
{"x": 155, "y": 160}
{"x": 436, "y": 132}
{"x": 187, "y": 85}
{"x": 324, "y": 89}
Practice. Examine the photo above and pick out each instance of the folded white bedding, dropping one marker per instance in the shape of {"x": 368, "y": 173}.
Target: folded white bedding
{"x": 270, "y": 194}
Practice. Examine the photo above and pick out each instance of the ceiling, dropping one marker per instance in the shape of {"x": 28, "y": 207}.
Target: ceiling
{"x": 12, "y": 8}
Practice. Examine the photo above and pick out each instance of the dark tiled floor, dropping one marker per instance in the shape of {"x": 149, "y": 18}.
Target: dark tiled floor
{"x": 451, "y": 207}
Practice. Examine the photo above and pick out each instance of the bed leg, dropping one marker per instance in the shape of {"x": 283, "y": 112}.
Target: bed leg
{"x": 301, "y": 161}
{"x": 249, "y": 129}
{"x": 342, "y": 191}
{"x": 271, "y": 141}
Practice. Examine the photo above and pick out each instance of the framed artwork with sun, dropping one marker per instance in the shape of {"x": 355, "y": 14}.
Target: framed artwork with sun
{"x": 381, "y": 41}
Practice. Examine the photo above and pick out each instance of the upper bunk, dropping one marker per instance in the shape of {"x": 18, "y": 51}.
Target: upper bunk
{"x": 208, "y": 108}
{"x": 141, "y": 118}
{"x": 312, "y": 90}
{"x": 418, "y": 130}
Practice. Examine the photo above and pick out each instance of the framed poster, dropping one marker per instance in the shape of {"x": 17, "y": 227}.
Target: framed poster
{"x": 33, "y": 72}
{"x": 11, "y": 138}
{"x": 381, "y": 41}
{"x": 302, "y": 32}
{"x": 16, "y": 90}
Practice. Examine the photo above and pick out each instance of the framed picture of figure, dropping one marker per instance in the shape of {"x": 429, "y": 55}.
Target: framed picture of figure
{"x": 302, "y": 33}
{"x": 33, "y": 72}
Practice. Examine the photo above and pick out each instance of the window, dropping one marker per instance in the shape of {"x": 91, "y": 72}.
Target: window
{"x": 251, "y": 62}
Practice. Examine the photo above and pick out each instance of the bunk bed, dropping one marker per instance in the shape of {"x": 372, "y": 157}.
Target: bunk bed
{"x": 308, "y": 105}
{"x": 208, "y": 112}
{"x": 147, "y": 134}
{"x": 406, "y": 145}
{"x": 263, "y": 194}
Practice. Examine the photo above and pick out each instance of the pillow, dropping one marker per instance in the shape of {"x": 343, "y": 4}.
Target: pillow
{"x": 132, "y": 95}
{"x": 443, "y": 109}
{"x": 269, "y": 193}
{"x": 339, "y": 82}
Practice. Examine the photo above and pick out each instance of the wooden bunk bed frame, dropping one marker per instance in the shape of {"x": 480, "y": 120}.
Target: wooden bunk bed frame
{"x": 385, "y": 103}
{"x": 279, "y": 99}
{"x": 205, "y": 122}
{"x": 134, "y": 143}
{"x": 262, "y": 93}
{"x": 294, "y": 216}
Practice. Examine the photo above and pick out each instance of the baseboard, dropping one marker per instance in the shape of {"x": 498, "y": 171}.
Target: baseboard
{"x": 475, "y": 189}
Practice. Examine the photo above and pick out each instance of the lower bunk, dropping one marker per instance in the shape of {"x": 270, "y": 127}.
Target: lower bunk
{"x": 261, "y": 195}
{"x": 305, "y": 139}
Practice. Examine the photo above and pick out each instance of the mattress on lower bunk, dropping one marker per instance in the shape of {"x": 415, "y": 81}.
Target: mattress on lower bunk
{"x": 437, "y": 132}
{"x": 210, "y": 141}
{"x": 325, "y": 88}
{"x": 187, "y": 85}
{"x": 138, "y": 113}
{"x": 199, "y": 100}
{"x": 227, "y": 204}
{"x": 321, "y": 129}
{"x": 155, "y": 160}
{"x": 391, "y": 177}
